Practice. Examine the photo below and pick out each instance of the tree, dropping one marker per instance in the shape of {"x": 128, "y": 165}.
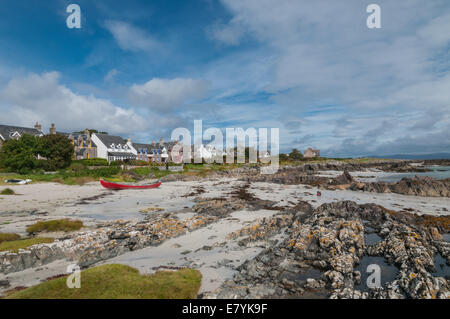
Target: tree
{"x": 57, "y": 149}
{"x": 20, "y": 155}
{"x": 92, "y": 131}
{"x": 295, "y": 154}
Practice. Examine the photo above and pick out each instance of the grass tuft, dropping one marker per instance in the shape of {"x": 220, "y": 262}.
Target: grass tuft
{"x": 14, "y": 246}
{"x": 8, "y": 237}
{"x": 119, "y": 282}
{"x": 65, "y": 225}
{"x": 7, "y": 191}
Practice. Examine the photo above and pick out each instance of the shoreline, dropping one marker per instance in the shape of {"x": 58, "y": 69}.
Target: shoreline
{"x": 218, "y": 258}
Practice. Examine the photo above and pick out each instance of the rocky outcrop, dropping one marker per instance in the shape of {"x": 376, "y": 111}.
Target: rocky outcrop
{"x": 299, "y": 174}
{"x": 112, "y": 239}
{"x": 320, "y": 254}
{"x": 417, "y": 186}
{"x": 422, "y": 186}
{"x": 343, "y": 179}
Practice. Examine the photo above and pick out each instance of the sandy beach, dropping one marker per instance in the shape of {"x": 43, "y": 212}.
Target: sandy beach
{"x": 209, "y": 249}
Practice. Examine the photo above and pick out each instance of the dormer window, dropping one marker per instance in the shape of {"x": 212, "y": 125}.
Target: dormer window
{"x": 14, "y": 135}
{"x": 112, "y": 146}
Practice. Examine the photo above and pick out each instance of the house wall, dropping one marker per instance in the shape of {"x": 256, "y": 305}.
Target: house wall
{"x": 308, "y": 153}
{"x": 102, "y": 150}
{"x": 133, "y": 150}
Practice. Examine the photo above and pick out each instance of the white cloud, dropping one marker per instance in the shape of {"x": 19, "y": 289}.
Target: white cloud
{"x": 230, "y": 34}
{"x": 40, "y": 97}
{"x": 109, "y": 77}
{"x": 326, "y": 56}
{"x": 131, "y": 38}
{"x": 167, "y": 94}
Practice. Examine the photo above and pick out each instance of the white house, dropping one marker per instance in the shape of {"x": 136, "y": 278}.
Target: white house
{"x": 113, "y": 148}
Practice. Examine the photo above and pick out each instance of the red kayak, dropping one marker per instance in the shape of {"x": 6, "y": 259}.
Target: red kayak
{"x": 110, "y": 185}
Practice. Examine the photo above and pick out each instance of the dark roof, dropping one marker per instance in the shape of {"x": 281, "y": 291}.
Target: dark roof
{"x": 6, "y": 130}
{"x": 110, "y": 139}
{"x": 122, "y": 154}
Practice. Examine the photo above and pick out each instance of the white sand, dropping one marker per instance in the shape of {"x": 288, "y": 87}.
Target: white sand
{"x": 48, "y": 200}
{"x": 284, "y": 194}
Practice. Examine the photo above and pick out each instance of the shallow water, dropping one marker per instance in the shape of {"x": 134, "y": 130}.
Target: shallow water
{"x": 388, "y": 272}
{"x": 303, "y": 275}
{"x": 442, "y": 269}
{"x": 446, "y": 237}
{"x": 438, "y": 172}
{"x": 372, "y": 239}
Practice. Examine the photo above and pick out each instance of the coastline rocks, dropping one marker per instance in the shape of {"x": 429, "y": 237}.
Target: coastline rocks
{"x": 416, "y": 186}
{"x": 422, "y": 186}
{"x": 113, "y": 239}
{"x": 323, "y": 248}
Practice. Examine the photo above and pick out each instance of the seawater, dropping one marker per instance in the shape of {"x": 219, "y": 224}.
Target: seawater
{"x": 438, "y": 172}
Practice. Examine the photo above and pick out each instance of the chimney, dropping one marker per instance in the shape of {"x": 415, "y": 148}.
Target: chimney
{"x": 129, "y": 141}
{"x": 52, "y": 129}
{"x": 38, "y": 126}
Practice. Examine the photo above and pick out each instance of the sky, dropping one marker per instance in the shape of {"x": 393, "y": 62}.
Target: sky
{"x": 313, "y": 69}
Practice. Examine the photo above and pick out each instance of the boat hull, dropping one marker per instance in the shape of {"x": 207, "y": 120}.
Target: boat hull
{"x": 110, "y": 185}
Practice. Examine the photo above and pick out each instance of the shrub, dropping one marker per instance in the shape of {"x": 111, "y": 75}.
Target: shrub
{"x": 77, "y": 167}
{"x": 92, "y": 162}
{"x": 116, "y": 163}
{"x": 137, "y": 163}
{"x": 57, "y": 149}
{"x": 55, "y": 225}
{"x": 7, "y": 191}
{"x": 104, "y": 172}
{"x": 20, "y": 155}
{"x": 295, "y": 155}
{"x": 15, "y": 245}
{"x": 8, "y": 237}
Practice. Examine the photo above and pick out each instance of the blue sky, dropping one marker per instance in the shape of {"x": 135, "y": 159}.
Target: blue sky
{"x": 311, "y": 68}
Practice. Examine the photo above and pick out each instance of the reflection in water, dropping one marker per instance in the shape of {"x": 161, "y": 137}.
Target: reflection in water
{"x": 442, "y": 269}
{"x": 302, "y": 275}
{"x": 446, "y": 237}
{"x": 372, "y": 239}
{"x": 388, "y": 272}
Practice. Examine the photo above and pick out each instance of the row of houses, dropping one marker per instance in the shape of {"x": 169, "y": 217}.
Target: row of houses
{"x": 89, "y": 145}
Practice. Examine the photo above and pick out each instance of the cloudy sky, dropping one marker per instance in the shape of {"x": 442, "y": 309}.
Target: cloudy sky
{"x": 311, "y": 68}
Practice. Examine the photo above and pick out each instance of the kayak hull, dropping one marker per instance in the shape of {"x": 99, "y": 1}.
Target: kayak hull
{"x": 110, "y": 185}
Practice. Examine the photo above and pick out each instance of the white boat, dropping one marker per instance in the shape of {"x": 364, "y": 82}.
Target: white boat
{"x": 18, "y": 181}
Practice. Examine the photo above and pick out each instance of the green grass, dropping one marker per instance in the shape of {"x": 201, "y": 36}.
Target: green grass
{"x": 79, "y": 174}
{"x": 8, "y": 237}
{"x": 15, "y": 245}
{"x": 55, "y": 225}
{"x": 7, "y": 191}
{"x": 119, "y": 282}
